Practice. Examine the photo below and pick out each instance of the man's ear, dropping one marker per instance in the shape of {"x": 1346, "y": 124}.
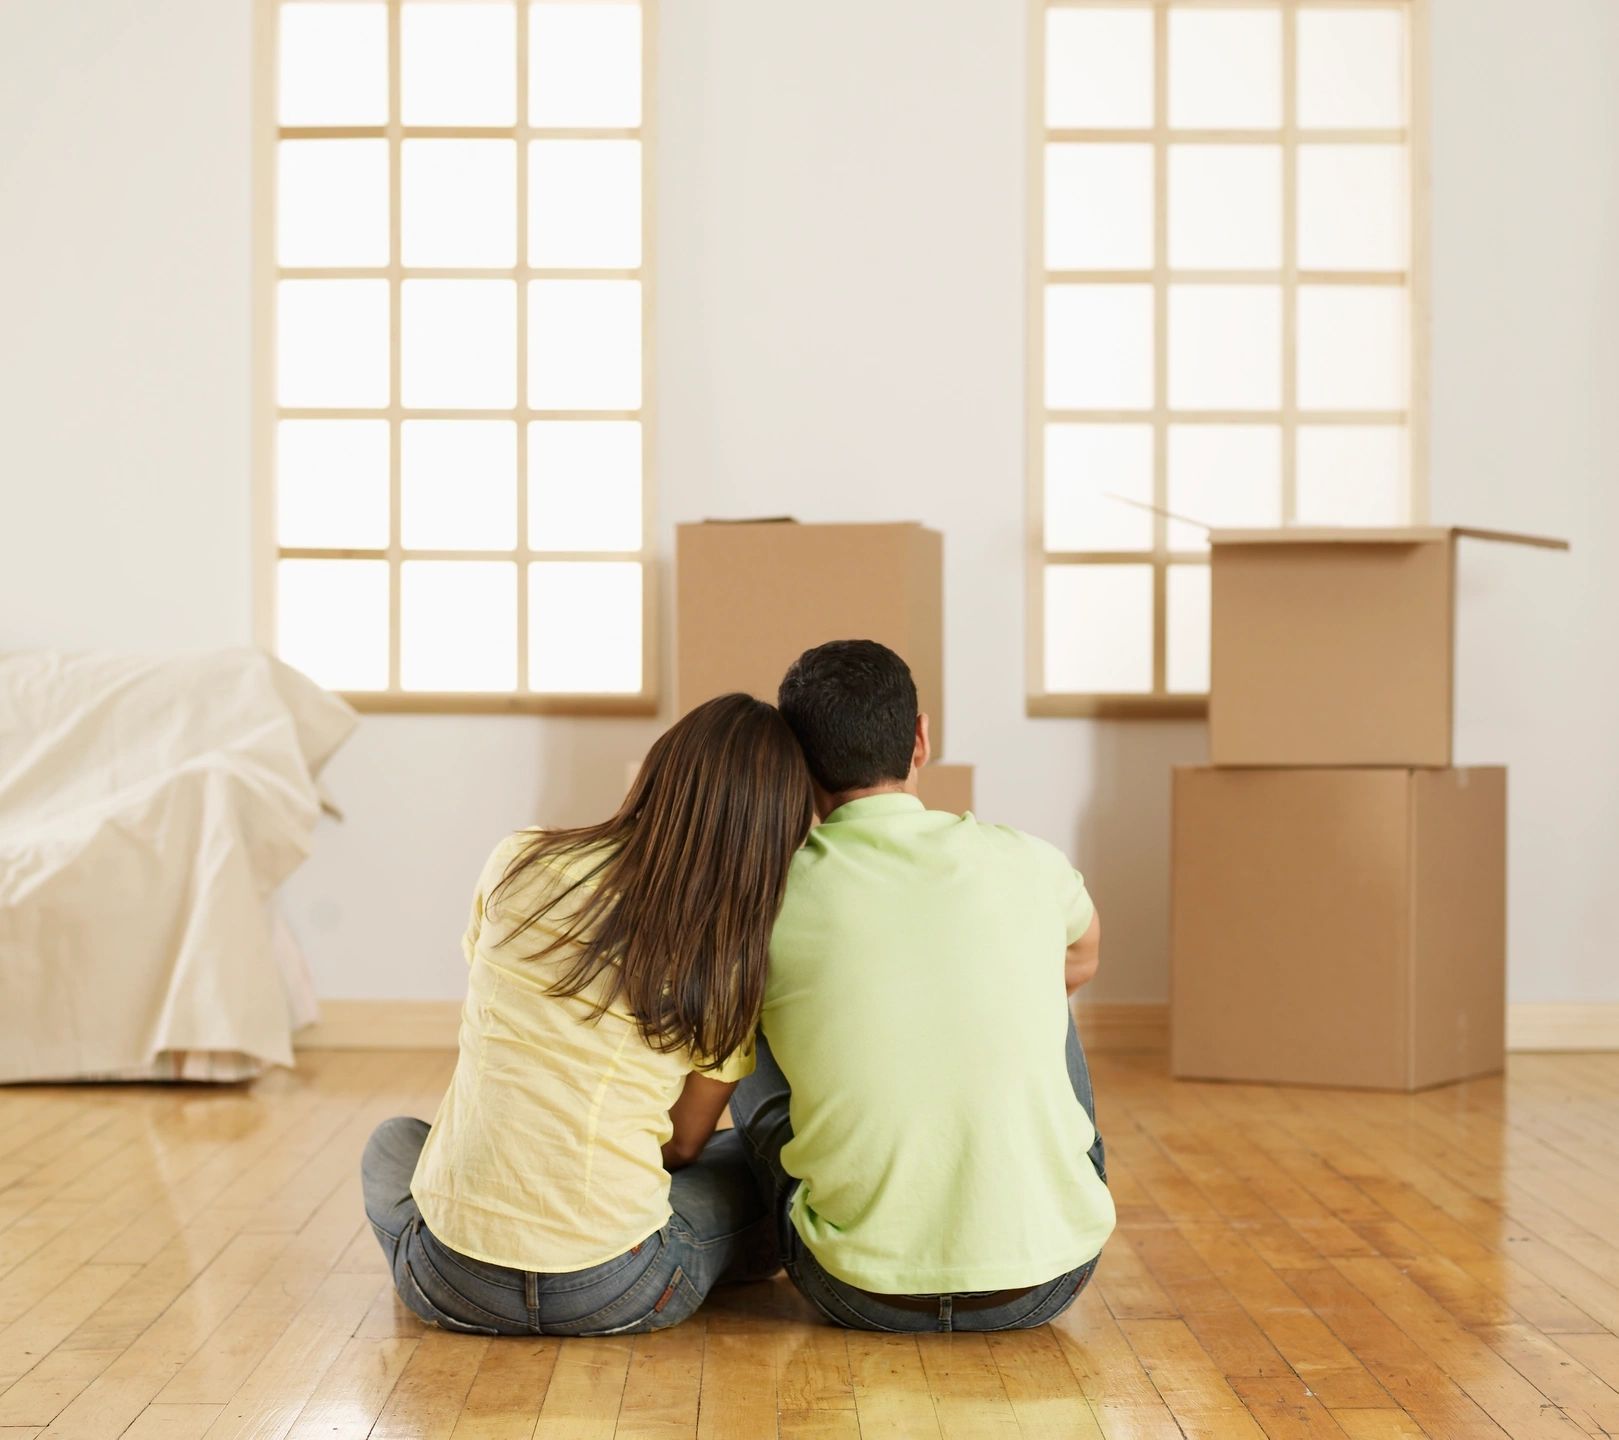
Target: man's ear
{"x": 922, "y": 752}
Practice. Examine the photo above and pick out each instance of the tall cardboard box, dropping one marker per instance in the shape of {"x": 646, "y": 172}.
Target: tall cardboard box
{"x": 1335, "y": 646}
{"x": 751, "y": 597}
{"x": 1338, "y": 927}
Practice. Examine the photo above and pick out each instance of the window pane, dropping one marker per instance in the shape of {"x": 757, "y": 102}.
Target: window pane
{"x": 1098, "y": 68}
{"x": 458, "y": 484}
{"x": 1225, "y": 69}
{"x": 1353, "y": 475}
{"x": 459, "y": 343}
{"x": 1352, "y": 207}
{"x": 1225, "y": 207}
{"x": 332, "y": 621}
{"x": 584, "y": 485}
{"x": 332, "y": 202}
{"x": 1099, "y": 207}
{"x": 584, "y": 203}
{"x": 332, "y": 342}
{"x": 458, "y": 202}
{"x": 1098, "y": 629}
{"x": 1087, "y": 467}
{"x": 458, "y": 64}
{"x": 584, "y": 344}
{"x": 1186, "y": 629}
{"x": 331, "y": 483}
{"x": 1098, "y": 346}
{"x": 333, "y": 65}
{"x": 584, "y": 65}
{"x": 1351, "y": 67}
{"x": 1352, "y": 347}
{"x": 1225, "y": 347}
{"x": 1226, "y": 476}
{"x": 584, "y": 626}
{"x": 457, "y": 625}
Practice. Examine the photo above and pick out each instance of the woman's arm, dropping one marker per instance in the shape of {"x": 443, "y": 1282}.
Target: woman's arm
{"x": 1084, "y": 955}
{"x": 695, "y": 1114}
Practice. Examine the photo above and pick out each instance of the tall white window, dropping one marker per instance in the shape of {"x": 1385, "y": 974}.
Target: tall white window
{"x": 1225, "y": 291}
{"x": 455, "y": 419}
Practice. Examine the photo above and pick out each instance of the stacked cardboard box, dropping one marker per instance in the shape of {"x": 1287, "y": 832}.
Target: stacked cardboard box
{"x": 1339, "y": 891}
{"x": 752, "y": 596}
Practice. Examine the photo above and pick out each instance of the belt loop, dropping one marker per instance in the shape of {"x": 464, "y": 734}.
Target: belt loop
{"x": 946, "y": 1306}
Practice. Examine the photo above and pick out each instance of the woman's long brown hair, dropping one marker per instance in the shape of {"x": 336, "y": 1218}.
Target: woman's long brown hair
{"x": 680, "y": 889}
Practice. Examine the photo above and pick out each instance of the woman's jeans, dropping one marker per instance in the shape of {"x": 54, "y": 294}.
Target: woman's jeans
{"x": 760, "y": 1109}
{"x": 720, "y": 1231}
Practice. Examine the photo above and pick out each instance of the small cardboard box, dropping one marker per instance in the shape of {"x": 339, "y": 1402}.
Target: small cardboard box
{"x": 1338, "y": 927}
{"x": 946, "y": 787}
{"x": 1335, "y": 646}
{"x": 942, "y": 787}
{"x": 751, "y": 597}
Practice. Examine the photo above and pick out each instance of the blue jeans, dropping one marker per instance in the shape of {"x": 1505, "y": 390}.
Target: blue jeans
{"x": 720, "y": 1231}
{"x": 760, "y": 1110}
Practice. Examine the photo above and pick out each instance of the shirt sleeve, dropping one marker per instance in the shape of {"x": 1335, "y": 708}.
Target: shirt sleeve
{"x": 1077, "y": 907}
{"x": 738, "y": 1066}
{"x": 494, "y": 871}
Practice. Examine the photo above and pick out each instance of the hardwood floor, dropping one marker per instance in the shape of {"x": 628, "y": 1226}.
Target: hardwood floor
{"x": 190, "y": 1264}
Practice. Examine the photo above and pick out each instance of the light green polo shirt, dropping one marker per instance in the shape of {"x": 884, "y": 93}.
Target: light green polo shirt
{"x": 918, "y": 1008}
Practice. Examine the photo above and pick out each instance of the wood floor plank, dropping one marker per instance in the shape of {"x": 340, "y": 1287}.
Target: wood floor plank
{"x": 890, "y": 1386}
{"x": 1510, "y": 1400}
{"x": 969, "y": 1397}
{"x": 173, "y": 1422}
{"x": 663, "y": 1385}
{"x": 181, "y": 1264}
{"x": 352, "y": 1392}
{"x": 586, "y": 1390}
{"x": 432, "y": 1389}
{"x": 508, "y": 1390}
{"x": 1039, "y": 1383}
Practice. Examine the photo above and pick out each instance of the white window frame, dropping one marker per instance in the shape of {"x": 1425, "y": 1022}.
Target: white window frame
{"x": 1159, "y": 701}
{"x": 267, "y": 132}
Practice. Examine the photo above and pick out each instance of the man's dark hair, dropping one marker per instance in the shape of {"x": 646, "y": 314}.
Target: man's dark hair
{"x": 852, "y": 704}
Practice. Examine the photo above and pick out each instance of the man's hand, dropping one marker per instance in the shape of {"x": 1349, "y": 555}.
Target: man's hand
{"x": 694, "y": 1115}
{"x": 1084, "y": 955}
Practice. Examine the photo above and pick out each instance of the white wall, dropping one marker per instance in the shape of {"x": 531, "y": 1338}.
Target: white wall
{"x": 124, "y": 293}
{"x": 1526, "y": 436}
{"x": 839, "y": 336}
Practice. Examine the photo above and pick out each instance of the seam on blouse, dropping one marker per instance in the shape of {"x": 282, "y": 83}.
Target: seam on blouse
{"x": 592, "y": 1125}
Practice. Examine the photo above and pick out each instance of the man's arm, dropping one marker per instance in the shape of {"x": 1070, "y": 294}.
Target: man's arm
{"x": 695, "y": 1114}
{"x": 1084, "y": 955}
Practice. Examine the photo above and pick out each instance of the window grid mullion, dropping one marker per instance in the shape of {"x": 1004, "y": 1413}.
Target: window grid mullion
{"x": 395, "y": 279}
{"x": 1160, "y": 349}
{"x": 1290, "y": 262}
{"x": 524, "y": 679}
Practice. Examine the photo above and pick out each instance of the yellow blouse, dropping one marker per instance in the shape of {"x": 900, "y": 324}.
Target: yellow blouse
{"x": 545, "y": 1152}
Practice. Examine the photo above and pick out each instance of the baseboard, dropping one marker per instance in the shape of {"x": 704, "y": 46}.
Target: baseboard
{"x": 382, "y": 1025}
{"x": 1594, "y": 1026}
{"x": 1105, "y": 1028}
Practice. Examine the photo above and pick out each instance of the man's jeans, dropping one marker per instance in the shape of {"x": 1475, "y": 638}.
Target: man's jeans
{"x": 760, "y": 1109}
{"x": 720, "y": 1231}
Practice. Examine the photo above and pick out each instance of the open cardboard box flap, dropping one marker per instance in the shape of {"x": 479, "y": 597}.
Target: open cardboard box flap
{"x": 1392, "y": 535}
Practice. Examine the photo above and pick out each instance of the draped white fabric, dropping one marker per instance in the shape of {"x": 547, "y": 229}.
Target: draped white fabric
{"x": 150, "y": 807}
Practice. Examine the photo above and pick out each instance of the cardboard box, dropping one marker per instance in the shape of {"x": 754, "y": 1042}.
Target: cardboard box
{"x": 751, "y": 597}
{"x": 1335, "y": 646}
{"x": 942, "y": 787}
{"x": 946, "y": 787}
{"x": 1338, "y": 927}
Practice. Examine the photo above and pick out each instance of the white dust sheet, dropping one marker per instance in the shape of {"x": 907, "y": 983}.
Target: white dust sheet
{"x": 149, "y": 810}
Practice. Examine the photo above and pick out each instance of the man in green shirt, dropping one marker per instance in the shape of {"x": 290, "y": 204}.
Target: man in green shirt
{"x": 921, "y": 1112}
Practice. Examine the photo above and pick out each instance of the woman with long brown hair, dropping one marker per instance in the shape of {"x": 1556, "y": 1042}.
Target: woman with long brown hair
{"x": 571, "y": 1182}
